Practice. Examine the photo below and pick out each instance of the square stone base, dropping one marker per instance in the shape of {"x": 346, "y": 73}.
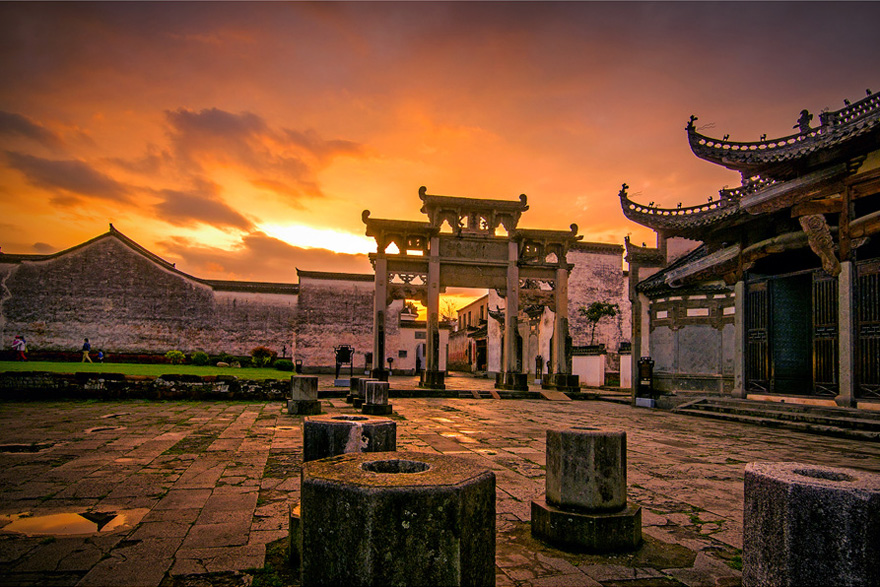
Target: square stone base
{"x": 584, "y": 532}
{"x": 645, "y": 402}
{"x": 303, "y": 407}
{"x": 376, "y": 409}
{"x": 350, "y": 398}
{"x": 341, "y": 383}
{"x": 357, "y": 402}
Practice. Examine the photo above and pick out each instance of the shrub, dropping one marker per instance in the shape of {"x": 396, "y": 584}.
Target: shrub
{"x": 283, "y": 365}
{"x": 226, "y": 358}
{"x": 262, "y": 356}
{"x": 175, "y": 357}
{"x": 200, "y": 358}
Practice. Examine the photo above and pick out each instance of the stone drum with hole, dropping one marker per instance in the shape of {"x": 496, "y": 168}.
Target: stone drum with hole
{"x": 402, "y": 518}
{"x": 376, "y": 399}
{"x": 810, "y": 525}
{"x": 585, "y": 506}
{"x": 303, "y": 396}
{"x": 327, "y": 436}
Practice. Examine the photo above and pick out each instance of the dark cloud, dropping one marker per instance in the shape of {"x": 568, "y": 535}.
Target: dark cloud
{"x": 18, "y": 125}
{"x": 201, "y": 205}
{"x": 151, "y": 163}
{"x": 284, "y": 161}
{"x": 321, "y": 148}
{"x": 72, "y": 177}
{"x": 43, "y": 248}
{"x": 260, "y": 258}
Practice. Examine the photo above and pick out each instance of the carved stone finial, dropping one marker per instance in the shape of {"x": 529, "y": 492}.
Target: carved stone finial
{"x": 691, "y": 122}
{"x": 364, "y": 215}
{"x": 574, "y": 228}
{"x": 524, "y": 200}
{"x": 803, "y": 122}
{"x": 764, "y": 137}
{"x": 623, "y": 189}
{"x": 423, "y": 191}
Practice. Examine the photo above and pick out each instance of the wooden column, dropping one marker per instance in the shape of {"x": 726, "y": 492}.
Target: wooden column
{"x": 739, "y": 340}
{"x": 846, "y": 336}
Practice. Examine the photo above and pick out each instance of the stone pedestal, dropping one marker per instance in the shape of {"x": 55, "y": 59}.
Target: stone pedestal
{"x": 327, "y": 436}
{"x": 397, "y": 519}
{"x": 585, "y": 506}
{"x": 432, "y": 379}
{"x": 376, "y": 401}
{"x": 810, "y": 525}
{"x": 566, "y": 382}
{"x": 303, "y": 396}
{"x": 512, "y": 381}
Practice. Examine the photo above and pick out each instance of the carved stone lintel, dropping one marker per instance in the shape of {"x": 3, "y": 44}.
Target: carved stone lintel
{"x": 821, "y": 242}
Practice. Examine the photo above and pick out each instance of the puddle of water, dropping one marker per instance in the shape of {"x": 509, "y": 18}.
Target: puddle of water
{"x": 69, "y": 524}
{"x": 115, "y": 415}
{"x": 29, "y": 448}
{"x": 104, "y": 429}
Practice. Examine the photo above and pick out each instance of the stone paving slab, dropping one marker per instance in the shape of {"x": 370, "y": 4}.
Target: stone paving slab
{"x": 215, "y": 480}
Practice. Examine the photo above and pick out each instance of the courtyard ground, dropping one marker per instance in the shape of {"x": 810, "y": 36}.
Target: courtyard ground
{"x": 201, "y": 490}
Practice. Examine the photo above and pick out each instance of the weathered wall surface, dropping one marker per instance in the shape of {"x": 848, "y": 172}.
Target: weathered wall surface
{"x": 126, "y": 303}
{"x": 692, "y": 343}
{"x": 597, "y": 276}
{"x": 336, "y": 311}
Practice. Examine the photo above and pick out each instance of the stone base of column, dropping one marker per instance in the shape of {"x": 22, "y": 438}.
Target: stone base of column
{"x": 566, "y": 382}
{"x": 432, "y": 379}
{"x": 587, "y": 532}
{"x": 380, "y": 374}
{"x": 512, "y": 381}
{"x": 303, "y": 407}
{"x": 376, "y": 409}
{"x": 357, "y": 402}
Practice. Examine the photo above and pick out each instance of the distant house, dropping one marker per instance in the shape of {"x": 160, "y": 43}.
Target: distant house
{"x": 770, "y": 291}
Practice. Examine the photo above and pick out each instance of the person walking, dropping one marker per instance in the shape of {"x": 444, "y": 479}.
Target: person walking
{"x": 19, "y": 345}
{"x": 85, "y": 350}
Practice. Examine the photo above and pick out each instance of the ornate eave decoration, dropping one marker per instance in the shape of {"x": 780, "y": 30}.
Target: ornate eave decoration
{"x": 673, "y": 221}
{"x": 835, "y": 129}
{"x": 407, "y": 235}
{"x": 473, "y": 216}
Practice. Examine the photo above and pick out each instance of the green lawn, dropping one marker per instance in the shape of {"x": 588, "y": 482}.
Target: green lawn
{"x": 142, "y": 369}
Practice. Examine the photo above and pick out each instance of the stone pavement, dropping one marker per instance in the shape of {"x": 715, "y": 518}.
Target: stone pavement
{"x": 204, "y": 487}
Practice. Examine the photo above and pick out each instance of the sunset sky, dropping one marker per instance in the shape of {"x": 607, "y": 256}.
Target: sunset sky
{"x": 243, "y": 140}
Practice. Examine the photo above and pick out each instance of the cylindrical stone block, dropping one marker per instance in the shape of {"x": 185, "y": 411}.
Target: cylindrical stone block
{"x": 397, "y": 519}
{"x": 376, "y": 393}
{"x": 304, "y": 388}
{"x": 586, "y": 469}
{"x": 810, "y": 525}
{"x": 327, "y": 436}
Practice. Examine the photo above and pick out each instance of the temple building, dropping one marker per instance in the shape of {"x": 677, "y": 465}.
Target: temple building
{"x": 769, "y": 291}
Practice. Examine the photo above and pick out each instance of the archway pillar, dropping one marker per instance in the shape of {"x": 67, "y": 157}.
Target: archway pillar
{"x": 380, "y": 304}
{"x": 432, "y": 377}
{"x": 563, "y": 380}
{"x": 512, "y": 378}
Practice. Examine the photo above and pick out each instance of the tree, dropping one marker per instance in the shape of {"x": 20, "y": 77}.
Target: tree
{"x": 595, "y": 312}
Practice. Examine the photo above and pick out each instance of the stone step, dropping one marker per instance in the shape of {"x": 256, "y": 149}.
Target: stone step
{"x": 765, "y": 420}
{"x": 841, "y": 418}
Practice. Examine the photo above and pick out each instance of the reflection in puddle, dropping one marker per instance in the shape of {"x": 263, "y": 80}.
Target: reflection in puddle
{"x": 69, "y": 524}
{"x": 33, "y": 447}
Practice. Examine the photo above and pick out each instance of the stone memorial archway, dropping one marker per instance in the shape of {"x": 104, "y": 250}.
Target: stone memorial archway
{"x": 525, "y": 266}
